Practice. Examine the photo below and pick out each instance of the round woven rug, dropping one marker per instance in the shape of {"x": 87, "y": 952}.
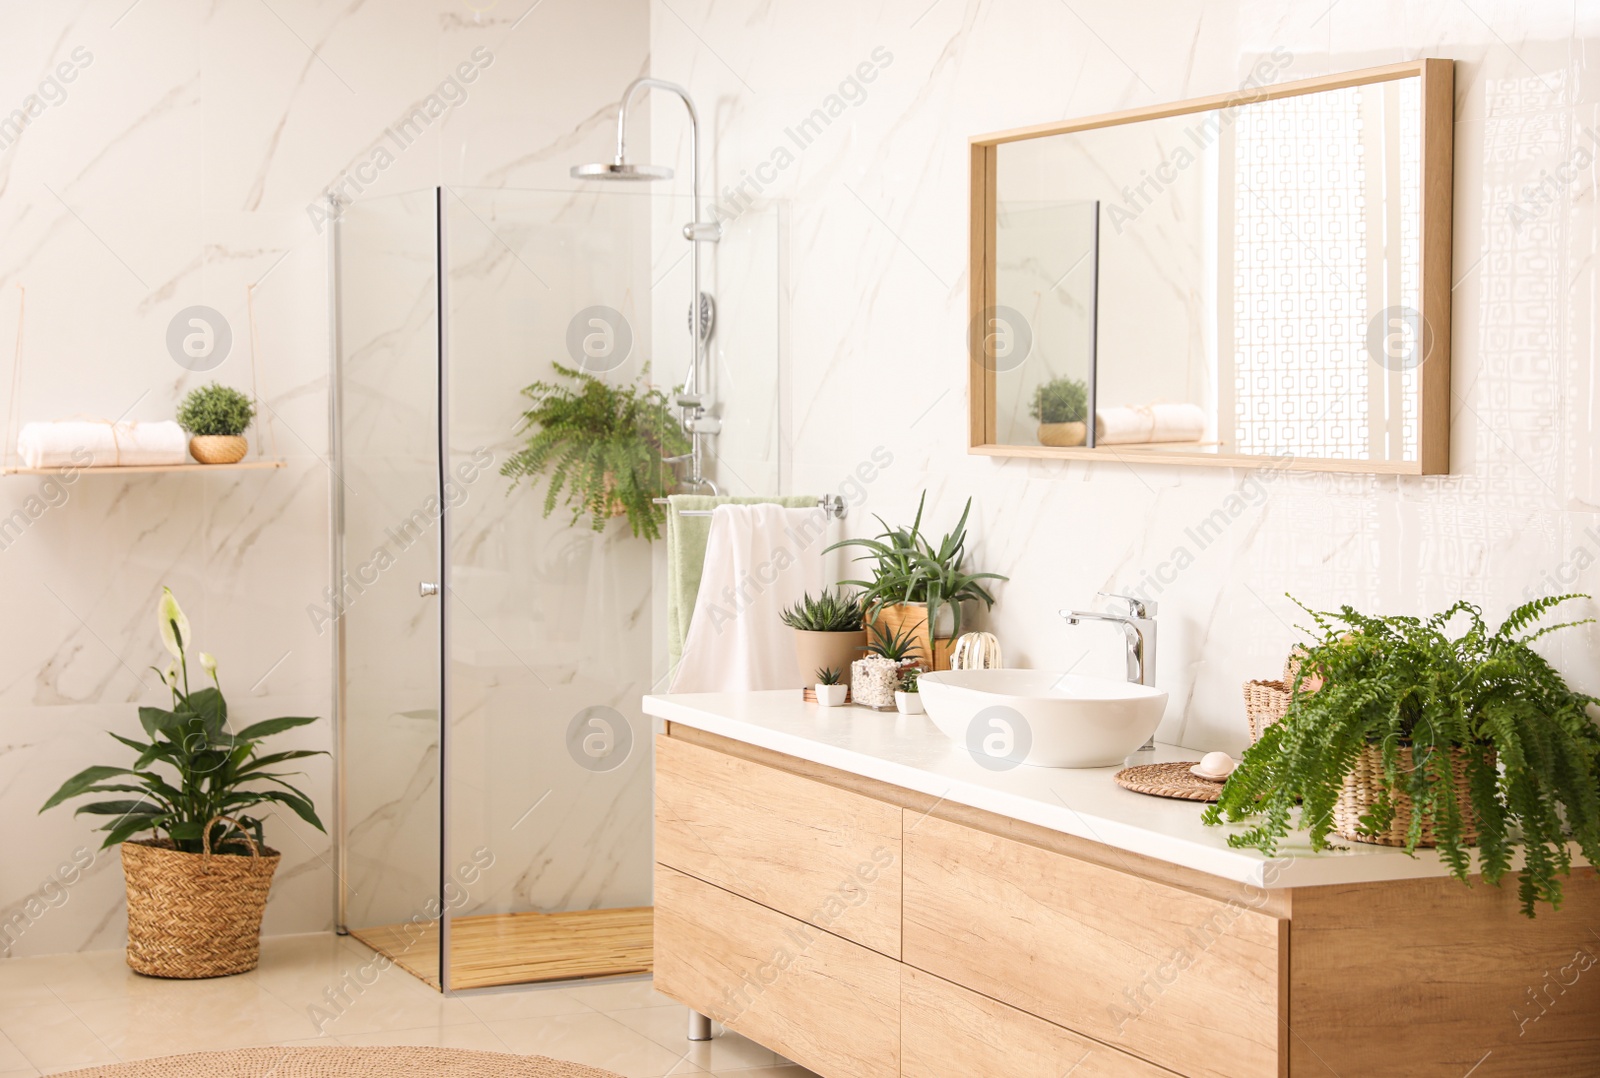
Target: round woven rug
{"x": 338, "y": 1062}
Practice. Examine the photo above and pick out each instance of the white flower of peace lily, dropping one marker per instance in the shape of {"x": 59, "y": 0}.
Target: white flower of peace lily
{"x": 171, "y": 676}
{"x": 169, "y": 612}
{"x": 209, "y": 663}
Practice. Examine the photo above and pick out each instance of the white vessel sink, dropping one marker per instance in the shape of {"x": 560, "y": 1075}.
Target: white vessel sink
{"x": 1041, "y": 717}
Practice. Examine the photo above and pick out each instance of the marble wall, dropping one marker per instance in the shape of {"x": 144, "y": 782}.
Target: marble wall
{"x": 185, "y": 160}
{"x": 875, "y": 311}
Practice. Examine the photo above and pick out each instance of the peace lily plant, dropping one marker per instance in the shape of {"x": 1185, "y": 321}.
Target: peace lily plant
{"x": 198, "y": 885}
{"x": 194, "y": 770}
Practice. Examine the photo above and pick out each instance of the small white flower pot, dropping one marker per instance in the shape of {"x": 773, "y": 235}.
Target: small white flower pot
{"x": 831, "y": 695}
{"x": 909, "y": 703}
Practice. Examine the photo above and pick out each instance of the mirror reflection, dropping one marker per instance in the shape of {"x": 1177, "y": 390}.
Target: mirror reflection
{"x": 1240, "y": 281}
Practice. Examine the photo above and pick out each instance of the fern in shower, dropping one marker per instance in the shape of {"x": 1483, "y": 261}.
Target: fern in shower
{"x": 601, "y": 447}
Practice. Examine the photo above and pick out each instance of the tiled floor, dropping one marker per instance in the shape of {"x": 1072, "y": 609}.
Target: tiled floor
{"x": 66, "y": 1011}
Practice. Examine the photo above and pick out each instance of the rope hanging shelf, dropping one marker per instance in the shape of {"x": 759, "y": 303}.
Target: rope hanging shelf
{"x": 8, "y": 467}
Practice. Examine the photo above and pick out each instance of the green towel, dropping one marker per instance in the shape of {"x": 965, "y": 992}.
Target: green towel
{"x": 686, "y": 556}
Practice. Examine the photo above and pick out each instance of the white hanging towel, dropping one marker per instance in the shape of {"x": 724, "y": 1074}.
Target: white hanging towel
{"x": 760, "y": 559}
{"x": 88, "y": 443}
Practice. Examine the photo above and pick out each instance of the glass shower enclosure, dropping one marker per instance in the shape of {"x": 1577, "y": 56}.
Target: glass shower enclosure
{"x": 494, "y": 798}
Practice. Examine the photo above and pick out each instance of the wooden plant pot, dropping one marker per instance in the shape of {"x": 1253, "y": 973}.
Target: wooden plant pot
{"x": 193, "y": 915}
{"x": 218, "y": 448}
{"x": 834, "y": 651}
{"x": 891, "y": 619}
{"x": 1063, "y": 434}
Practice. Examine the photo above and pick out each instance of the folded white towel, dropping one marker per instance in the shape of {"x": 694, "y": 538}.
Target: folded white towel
{"x": 1149, "y": 423}
{"x": 759, "y": 560}
{"x": 86, "y": 443}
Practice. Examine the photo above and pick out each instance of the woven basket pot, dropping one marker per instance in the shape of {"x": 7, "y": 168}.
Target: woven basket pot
{"x": 193, "y": 915}
{"x": 218, "y": 448}
{"x": 1265, "y": 702}
{"x": 1366, "y": 781}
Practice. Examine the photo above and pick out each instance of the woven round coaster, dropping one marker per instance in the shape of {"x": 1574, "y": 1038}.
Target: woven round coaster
{"x": 1168, "y": 780}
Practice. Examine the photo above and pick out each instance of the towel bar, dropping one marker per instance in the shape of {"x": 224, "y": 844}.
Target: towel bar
{"x": 832, "y": 504}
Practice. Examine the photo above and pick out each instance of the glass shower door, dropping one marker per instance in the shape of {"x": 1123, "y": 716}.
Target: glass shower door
{"x": 388, "y": 531}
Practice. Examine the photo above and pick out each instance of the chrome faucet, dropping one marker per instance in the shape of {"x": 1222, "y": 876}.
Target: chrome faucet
{"x": 1139, "y": 627}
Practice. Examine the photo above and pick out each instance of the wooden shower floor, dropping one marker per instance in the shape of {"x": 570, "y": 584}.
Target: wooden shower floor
{"x": 520, "y": 948}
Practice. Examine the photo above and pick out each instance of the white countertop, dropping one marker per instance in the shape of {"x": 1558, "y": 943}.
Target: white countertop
{"x": 909, "y": 752}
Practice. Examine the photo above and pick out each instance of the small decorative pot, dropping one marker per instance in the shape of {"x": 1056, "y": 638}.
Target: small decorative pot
{"x": 908, "y": 703}
{"x": 831, "y": 695}
{"x": 1063, "y": 435}
{"x": 218, "y": 448}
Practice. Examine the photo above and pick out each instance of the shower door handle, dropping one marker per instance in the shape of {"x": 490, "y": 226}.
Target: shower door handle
{"x": 426, "y": 589}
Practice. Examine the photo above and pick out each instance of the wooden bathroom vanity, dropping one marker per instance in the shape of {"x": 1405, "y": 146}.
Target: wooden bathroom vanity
{"x": 854, "y": 892}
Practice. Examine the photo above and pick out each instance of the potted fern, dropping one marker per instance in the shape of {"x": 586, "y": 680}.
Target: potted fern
{"x": 1422, "y": 735}
{"x": 605, "y": 445}
{"x": 216, "y": 418}
{"x": 827, "y": 631}
{"x": 1061, "y": 406}
{"x": 197, "y": 888}
{"x": 919, "y": 588}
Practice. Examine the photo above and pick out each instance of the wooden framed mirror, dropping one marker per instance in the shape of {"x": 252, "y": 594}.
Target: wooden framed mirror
{"x": 1250, "y": 279}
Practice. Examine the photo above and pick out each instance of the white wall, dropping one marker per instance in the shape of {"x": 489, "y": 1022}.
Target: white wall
{"x": 876, "y": 313}
{"x": 177, "y": 169}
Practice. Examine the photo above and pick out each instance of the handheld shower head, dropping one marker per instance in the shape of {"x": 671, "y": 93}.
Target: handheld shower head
{"x": 620, "y": 170}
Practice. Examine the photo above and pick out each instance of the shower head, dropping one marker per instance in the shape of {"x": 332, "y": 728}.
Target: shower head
{"x": 620, "y": 170}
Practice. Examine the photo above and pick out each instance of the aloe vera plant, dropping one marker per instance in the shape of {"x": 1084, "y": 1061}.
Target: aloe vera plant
{"x": 907, "y": 568}
{"x": 1526, "y": 740}
{"x": 212, "y": 770}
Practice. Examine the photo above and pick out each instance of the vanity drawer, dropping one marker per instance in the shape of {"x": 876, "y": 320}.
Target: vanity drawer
{"x": 949, "y": 1032}
{"x": 824, "y": 1002}
{"x": 1192, "y": 983}
{"x": 825, "y": 855}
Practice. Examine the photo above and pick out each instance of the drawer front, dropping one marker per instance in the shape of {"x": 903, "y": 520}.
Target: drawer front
{"x": 1188, "y": 982}
{"x": 815, "y": 852}
{"x": 824, "y": 1002}
{"x": 949, "y": 1032}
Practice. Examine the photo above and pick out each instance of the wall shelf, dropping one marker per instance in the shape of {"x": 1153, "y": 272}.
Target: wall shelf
{"x": 149, "y": 468}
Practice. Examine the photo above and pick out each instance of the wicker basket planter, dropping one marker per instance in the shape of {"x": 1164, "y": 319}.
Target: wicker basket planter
{"x": 218, "y": 448}
{"x": 193, "y": 915}
{"x": 1365, "y": 783}
{"x": 1265, "y": 702}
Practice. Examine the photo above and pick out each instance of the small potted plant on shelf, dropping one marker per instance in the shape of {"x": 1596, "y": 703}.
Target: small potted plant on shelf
{"x": 830, "y": 687}
{"x": 1061, "y": 406}
{"x": 907, "y": 700}
{"x": 216, "y": 418}
{"x": 197, "y": 888}
{"x": 827, "y": 630}
{"x": 1402, "y": 732}
{"x": 920, "y": 588}
{"x": 605, "y": 445}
